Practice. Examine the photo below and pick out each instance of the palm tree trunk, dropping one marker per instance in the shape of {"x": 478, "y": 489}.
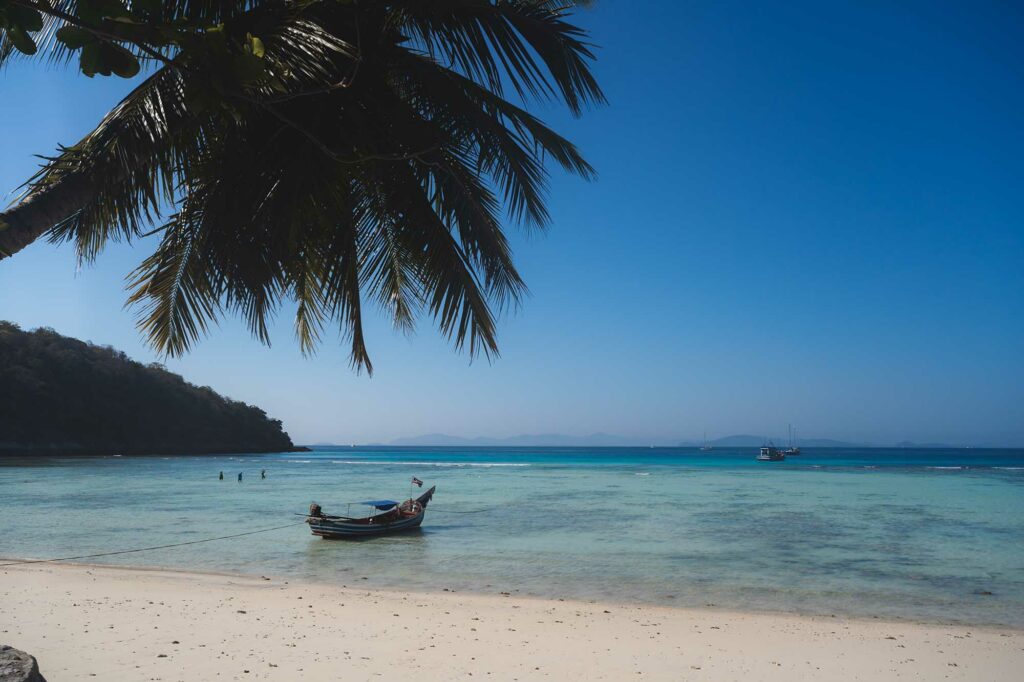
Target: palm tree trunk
{"x": 26, "y": 222}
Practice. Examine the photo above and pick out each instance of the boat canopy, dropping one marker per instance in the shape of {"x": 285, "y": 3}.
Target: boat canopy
{"x": 380, "y": 504}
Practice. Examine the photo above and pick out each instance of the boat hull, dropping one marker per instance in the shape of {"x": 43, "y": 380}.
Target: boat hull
{"x": 770, "y": 454}
{"x": 339, "y": 528}
{"x": 329, "y": 529}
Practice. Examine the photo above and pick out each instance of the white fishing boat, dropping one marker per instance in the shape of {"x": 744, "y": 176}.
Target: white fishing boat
{"x": 770, "y": 453}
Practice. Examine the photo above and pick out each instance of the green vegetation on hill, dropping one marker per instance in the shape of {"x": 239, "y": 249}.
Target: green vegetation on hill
{"x": 61, "y": 395}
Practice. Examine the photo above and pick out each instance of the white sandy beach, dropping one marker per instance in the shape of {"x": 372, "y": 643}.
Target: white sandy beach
{"x": 87, "y": 623}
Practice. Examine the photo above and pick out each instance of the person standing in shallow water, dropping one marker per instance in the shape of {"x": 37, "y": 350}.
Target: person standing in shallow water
{"x": 263, "y": 473}
{"x": 239, "y": 476}
{"x": 222, "y": 475}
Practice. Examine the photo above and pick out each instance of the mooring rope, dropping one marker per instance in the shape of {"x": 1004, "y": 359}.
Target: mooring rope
{"x": 22, "y": 562}
{"x": 148, "y": 549}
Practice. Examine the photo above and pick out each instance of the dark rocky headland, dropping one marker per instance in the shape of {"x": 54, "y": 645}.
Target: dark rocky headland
{"x": 60, "y": 396}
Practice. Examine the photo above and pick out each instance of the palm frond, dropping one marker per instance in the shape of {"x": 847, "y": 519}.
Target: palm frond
{"x": 134, "y": 158}
{"x": 455, "y": 296}
{"x": 142, "y": 150}
{"x": 526, "y": 44}
{"x": 374, "y": 163}
{"x": 177, "y": 296}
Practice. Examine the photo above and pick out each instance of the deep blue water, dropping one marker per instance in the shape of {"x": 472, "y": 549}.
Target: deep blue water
{"x": 922, "y": 534}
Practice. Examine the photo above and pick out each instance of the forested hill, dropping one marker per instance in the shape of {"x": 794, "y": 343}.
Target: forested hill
{"x": 60, "y": 395}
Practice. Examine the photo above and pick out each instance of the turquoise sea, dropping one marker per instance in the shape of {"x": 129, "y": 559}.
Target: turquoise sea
{"x": 934, "y": 535}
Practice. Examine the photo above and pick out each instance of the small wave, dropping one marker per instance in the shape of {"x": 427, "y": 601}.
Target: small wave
{"x": 947, "y": 468}
{"x": 431, "y": 464}
{"x": 643, "y": 473}
{"x": 1009, "y": 468}
{"x": 870, "y": 466}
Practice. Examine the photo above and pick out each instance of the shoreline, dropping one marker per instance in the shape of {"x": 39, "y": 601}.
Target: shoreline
{"x": 468, "y": 592}
{"x": 86, "y": 621}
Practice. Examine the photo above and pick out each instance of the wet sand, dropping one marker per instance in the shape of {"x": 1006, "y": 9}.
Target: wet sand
{"x": 89, "y": 623}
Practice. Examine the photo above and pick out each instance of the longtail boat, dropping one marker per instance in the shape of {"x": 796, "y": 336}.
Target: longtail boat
{"x": 389, "y": 517}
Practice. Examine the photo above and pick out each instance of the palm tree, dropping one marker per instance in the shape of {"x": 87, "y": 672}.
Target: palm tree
{"x": 355, "y": 151}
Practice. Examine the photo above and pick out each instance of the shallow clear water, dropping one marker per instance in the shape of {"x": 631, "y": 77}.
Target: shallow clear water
{"x": 894, "y": 533}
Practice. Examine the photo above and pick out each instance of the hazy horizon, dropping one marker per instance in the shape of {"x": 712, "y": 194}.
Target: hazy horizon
{"x": 791, "y": 224}
{"x": 599, "y": 439}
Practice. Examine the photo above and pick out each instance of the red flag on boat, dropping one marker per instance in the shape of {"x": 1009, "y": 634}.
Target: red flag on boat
{"x": 417, "y": 482}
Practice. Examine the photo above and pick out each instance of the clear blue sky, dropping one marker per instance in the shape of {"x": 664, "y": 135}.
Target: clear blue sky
{"x": 808, "y": 213}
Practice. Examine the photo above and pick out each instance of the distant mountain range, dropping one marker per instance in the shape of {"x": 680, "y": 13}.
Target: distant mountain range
{"x": 598, "y": 440}
{"x": 929, "y": 446}
{"x": 594, "y": 440}
{"x": 607, "y": 440}
{"x": 746, "y": 441}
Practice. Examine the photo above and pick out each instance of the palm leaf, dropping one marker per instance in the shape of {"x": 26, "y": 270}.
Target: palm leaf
{"x": 372, "y": 163}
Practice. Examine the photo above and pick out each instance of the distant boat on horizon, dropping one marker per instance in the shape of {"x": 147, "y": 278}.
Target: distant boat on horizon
{"x": 706, "y": 446}
{"x": 793, "y": 448}
{"x": 770, "y": 453}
